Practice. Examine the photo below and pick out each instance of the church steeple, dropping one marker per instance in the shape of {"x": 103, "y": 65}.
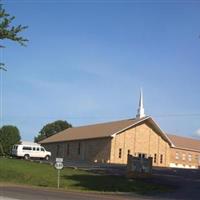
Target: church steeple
{"x": 140, "y": 111}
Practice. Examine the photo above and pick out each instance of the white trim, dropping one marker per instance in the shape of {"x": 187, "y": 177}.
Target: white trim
{"x": 165, "y": 135}
{"x": 143, "y": 119}
{"x": 178, "y": 165}
{"x": 182, "y": 148}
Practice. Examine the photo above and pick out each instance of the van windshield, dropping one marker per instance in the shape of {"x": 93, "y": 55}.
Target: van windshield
{"x": 15, "y": 147}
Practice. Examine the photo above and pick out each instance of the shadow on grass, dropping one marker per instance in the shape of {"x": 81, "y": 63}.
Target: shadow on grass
{"x": 106, "y": 183}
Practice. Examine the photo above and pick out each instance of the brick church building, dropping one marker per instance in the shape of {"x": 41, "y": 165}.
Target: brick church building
{"x": 111, "y": 142}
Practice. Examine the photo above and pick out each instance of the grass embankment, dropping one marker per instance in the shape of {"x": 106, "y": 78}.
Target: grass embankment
{"x": 36, "y": 174}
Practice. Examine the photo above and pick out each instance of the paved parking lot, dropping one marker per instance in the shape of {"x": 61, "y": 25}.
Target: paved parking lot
{"x": 185, "y": 183}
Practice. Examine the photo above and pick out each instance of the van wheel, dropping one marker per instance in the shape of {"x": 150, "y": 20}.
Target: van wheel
{"x": 47, "y": 158}
{"x": 26, "y": 156}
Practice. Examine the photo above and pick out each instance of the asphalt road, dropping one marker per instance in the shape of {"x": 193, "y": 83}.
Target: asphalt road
{"x": 184, "y": 184}
{"x": 7, "y": 198}
{"x": 28, "y": 193}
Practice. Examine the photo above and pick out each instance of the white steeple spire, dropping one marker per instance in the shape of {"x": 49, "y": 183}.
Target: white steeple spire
{"x": 140, "y": 111}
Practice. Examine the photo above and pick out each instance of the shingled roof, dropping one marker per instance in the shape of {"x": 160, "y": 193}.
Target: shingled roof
{"x": 109, "y": 129}
{"x": 91, "y": 131}
{"x": 185, "y": 142}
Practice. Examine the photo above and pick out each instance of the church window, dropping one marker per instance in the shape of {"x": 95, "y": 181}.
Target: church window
{"x": 120, "y": 153}
{"x": 161, "y": 159}
{"x": 155, "y": 158}
{"x": 58, "y": 149}
{"x": 142, "y": 155}
{"x": 177, "y": 155}
{"x": 79, "y": 148}
{"x": 183, "y": 156}
{"x": 190, "y": 157}
{"x": 129, "y": 151}
{"x": 68, "y": 149}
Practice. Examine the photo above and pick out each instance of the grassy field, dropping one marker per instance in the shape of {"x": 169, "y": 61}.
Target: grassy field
{"x": 36, "y": 174}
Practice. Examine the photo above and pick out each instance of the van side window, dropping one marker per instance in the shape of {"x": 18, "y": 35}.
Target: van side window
{"x": 42, "y": 149}
{"x": 27, "y": 148}
{"x": 38, "y": 148}
{"x": 33, "y": 148}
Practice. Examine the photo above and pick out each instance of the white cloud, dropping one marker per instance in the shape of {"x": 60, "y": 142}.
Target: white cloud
{"x": 197, "y": 133}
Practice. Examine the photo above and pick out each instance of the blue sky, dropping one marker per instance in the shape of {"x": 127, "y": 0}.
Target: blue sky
{"x": 86, "y": 60}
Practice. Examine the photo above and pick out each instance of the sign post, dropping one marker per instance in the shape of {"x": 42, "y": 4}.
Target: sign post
{"x": 58, "y": 165}
{"x": 58, "y": 183}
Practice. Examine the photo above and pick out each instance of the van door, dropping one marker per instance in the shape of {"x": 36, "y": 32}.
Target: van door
{"x": 43, "y": 152}
{"x": 34, "y": 152}
{"x": 37, "y": 152}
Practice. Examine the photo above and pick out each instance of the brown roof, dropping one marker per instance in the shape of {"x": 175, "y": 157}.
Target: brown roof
{"x": 92, "y": 131}
{"x": 110, "y": 128}
{"x": 185, "y": 142}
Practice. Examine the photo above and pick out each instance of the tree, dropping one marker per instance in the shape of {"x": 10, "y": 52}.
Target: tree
{"x": 51, "y": 129}
{"x": 9, "y": 135}
{"x": 8, "y": 31}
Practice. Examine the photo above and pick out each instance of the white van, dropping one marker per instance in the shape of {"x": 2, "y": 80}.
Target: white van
{"x": 30, "y": 150}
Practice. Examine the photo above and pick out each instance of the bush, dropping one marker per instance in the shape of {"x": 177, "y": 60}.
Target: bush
{"x": 9, "y": 135}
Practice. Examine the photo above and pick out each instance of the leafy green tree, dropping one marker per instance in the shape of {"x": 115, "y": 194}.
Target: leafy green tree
{"x": 9, "y": 31}
{"x": 51, "y": 129}
{"x": 9, "y": 135}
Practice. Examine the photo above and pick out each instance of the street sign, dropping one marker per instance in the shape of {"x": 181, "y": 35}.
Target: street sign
{"x": 59, "y": 159}
{"x": 59, "y": 165}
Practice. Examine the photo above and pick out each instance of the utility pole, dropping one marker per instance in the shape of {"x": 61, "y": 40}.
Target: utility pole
{"x": 2, "y": 68}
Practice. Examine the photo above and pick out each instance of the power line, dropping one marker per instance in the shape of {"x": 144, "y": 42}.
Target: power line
{"x": 178, "y": 115}
{"x": 102, "y": 116}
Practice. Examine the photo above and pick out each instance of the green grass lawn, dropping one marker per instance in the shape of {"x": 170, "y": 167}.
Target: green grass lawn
{"x": 35, "y": 174}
